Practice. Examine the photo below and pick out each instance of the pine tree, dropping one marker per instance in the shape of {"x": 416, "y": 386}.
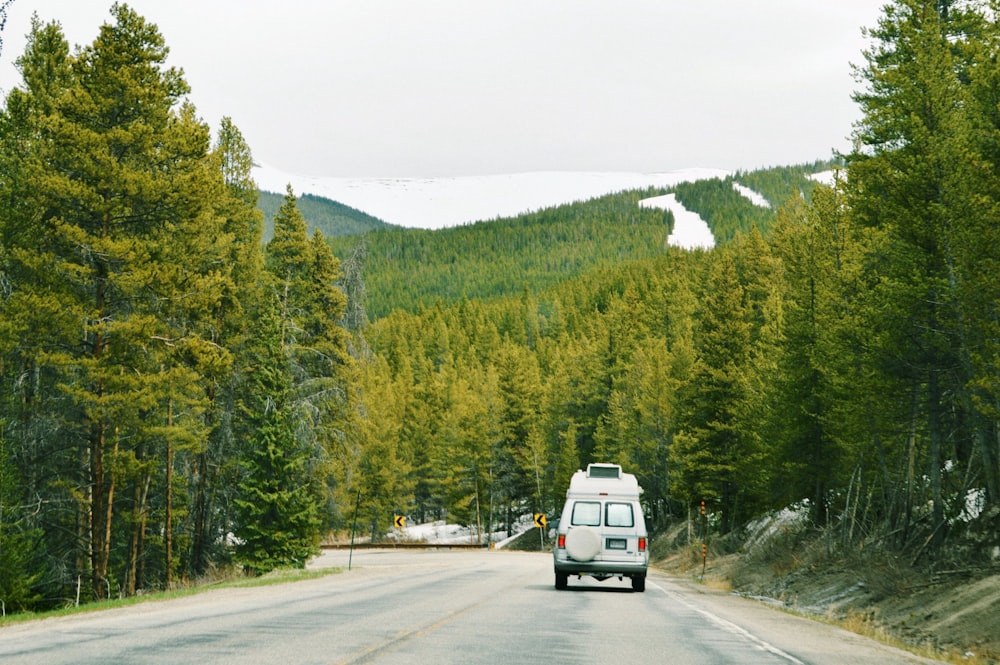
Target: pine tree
{"x": 976, "y": 247}
{"x": 718, "y": 455}
{"x": 801, "y": 424}
{"x": 303, "y": 275}
{"x": 33, "y": 320}
{"x": 98, "y": 230}
{"x": 279, "y": 504}
{"x": 519, "y": 386}
{"x": 213, "y": 468}
{"x": 375, "y": 463}
{"x": 19, "y": 563}
{"x": 908, "y": 177}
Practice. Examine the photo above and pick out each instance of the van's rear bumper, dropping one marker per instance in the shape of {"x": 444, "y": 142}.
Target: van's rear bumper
{"x": 625, "y": 568}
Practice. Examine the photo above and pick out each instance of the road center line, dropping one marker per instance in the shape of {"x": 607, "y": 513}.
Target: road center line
{"x": 367, "y": 654}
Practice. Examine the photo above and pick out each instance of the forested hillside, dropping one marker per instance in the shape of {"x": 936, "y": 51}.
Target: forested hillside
{"x": 180, "y": 396}
{"x": 410, "y": 268}
{"x": 328, "y": 217}
{"x": 729, "y": 213}
{"x": 406, "y": 269}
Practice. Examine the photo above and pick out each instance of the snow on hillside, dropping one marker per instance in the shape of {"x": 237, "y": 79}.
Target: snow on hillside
{"x": 828, "y": 178}
{"x": 753, "y": 196}
{"x": 432, "y": 203}
{"x": 690, "y": 230}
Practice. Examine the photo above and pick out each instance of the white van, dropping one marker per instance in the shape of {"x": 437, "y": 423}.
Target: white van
{"x": 602, "y": 532}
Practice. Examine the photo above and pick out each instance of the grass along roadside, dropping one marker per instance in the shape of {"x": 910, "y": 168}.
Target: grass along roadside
{"x": 230, "y": 581}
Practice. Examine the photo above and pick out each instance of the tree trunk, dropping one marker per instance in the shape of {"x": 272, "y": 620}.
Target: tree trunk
{"x": 199, "y": 544}
{"x": 99, "y": 510}
{"x": 990, "y": 451}
{"x": 168, "y": 528}
{"x": 133, "y": 548}
{"x": 934, "y": 456}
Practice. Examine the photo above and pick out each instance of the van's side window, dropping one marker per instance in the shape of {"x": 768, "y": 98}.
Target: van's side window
{"x": 619, "y": 514}
{"x": 586, "y": 513}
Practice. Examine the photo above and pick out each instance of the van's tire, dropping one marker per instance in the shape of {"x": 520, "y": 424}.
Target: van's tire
{"x": 639, "y": 583}
{"x": 583, "y": 543}
{"x": 562, "y": 580}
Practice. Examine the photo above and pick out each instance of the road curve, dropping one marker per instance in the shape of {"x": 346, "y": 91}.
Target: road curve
{"x": 422, "y": 607}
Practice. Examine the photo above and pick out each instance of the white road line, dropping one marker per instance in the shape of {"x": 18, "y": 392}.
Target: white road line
{"x": 731, "y": 627}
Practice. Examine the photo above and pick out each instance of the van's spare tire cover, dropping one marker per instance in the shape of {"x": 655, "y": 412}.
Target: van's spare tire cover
{"x": 583, "y": 543}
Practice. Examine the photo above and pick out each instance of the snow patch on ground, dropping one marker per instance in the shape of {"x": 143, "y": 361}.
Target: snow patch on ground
{"x": 442, "y": 533}
{"x": 761, "y": 532}
{"x": 753, "y": 196}
{"x": 827, "y": 178}
{"x": 690, "y": 230}
{"x": 435, "y": 532}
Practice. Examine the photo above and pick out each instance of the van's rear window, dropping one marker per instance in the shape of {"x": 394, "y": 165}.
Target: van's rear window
{"x": 619, "y": 514}
{"x": 586, "y": 513}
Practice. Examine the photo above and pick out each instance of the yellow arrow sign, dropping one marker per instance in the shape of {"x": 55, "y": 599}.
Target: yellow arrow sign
{"x": 399, "y": 521}
{"x": 540, "y": 520}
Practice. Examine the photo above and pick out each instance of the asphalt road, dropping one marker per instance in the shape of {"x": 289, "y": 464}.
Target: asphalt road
{"x": 437, "y": 607}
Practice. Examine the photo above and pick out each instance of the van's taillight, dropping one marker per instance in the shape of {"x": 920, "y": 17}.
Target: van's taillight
{"x": 562, "y": 541}
{"x": 642, "y": 544}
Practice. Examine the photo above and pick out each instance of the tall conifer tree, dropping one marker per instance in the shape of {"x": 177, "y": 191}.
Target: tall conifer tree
{"x": 907, "y": 178}
{"x": 99, "y": 228}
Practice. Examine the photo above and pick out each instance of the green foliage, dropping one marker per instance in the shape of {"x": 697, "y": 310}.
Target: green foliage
{"x": 121, "y": 253}
{"x": 409, "y": 268}
{"x": 279, "y": 505}
{"x": 19, "y": 564}
{"x": 170, "y": 381}
{"x": 726, "y": 210}
{"x": 132, "y": 280}
{"x": 789, "y": 365}
{"x": 331, "y": 218}
{"x": 718, "y": 451}
{"x": 916, "y": 177}
{"x": 779, "y": 185}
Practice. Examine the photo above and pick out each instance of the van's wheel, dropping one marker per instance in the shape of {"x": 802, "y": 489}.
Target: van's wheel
{"x": 639, "y": 583}
{"x": 562, "y": 580}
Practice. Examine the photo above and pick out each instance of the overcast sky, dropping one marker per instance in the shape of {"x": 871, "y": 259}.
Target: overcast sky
{"x": 426, "y": 88}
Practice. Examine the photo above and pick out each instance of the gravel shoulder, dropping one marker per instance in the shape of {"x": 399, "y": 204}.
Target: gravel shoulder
{"x": 946, "y": 609}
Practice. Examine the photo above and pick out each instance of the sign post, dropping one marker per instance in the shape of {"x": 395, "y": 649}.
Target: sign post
{"x": 354, "y": 527}
{"x": 540, "y": 522}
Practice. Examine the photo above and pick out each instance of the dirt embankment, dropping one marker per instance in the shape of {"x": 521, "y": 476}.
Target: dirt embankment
{"x": 944, "y": 603}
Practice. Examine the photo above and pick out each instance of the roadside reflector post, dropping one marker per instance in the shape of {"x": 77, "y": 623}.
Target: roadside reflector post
{"x": 704, "y": 540}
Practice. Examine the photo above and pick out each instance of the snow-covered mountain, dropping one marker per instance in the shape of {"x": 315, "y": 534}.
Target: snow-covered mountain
{"x": 434, "y": 203}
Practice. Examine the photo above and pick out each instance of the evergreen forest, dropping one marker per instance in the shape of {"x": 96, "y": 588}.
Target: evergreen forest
{"x": 321, "y": 214}
{"x": 183, "y": 393}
